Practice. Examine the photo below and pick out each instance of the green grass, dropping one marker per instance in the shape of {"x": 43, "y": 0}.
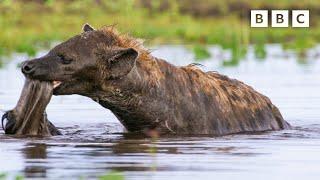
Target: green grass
{"x": 19, "y": 177}
{"x": 27, "y": 26}
{"x": 113, "y": 175}
{"x": 201, "y": 52}
{"x": 3, "y": 176}
{"x": 259, "y": 51}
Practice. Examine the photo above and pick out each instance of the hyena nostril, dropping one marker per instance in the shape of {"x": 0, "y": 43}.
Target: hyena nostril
{"x": 27, "y": 68}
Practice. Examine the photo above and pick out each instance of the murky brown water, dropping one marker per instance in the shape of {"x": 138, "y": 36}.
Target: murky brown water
{"x": 93, "y": 145}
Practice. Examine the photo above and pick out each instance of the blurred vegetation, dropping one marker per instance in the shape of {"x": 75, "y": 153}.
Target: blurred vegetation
{"x": 200, "y": 52}
{"x": 113, "y": 175}
{"x": 2, "y": 176}
{"x": 27, "y": 25}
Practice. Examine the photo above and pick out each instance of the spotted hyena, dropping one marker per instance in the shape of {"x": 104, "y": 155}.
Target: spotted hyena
{"x": 149, "y": 94}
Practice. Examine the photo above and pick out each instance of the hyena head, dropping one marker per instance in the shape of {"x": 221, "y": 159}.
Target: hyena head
{"x": 80, "y": 64}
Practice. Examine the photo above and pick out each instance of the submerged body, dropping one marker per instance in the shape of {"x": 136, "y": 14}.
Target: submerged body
{"x": 29, "y": 117}
{"x": 149, "y": 94}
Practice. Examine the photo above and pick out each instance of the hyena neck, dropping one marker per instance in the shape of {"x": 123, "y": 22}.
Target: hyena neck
{"x": 129, "y": 98}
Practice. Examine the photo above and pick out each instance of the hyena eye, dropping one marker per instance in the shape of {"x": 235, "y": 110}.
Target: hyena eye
{"x": 64, "y": 60}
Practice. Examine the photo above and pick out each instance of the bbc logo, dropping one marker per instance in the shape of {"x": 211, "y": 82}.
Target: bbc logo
{"x": 279, "y": 18}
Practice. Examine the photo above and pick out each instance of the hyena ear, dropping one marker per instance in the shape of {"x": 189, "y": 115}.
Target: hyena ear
{"x": 121, "y": 61}
{"x": 87, "y": 28}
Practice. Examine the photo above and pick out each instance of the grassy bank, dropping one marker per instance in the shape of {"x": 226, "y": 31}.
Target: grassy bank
{"x": 27, "y": 26}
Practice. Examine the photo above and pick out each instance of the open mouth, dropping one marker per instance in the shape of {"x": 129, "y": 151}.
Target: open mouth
{"x": 64, "y": 87}
{"x": 56, "y": 84}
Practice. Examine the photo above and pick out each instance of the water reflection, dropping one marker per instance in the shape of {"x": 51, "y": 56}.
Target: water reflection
{"x": 35, "y": 156}
{"x": 60, "y": 157}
